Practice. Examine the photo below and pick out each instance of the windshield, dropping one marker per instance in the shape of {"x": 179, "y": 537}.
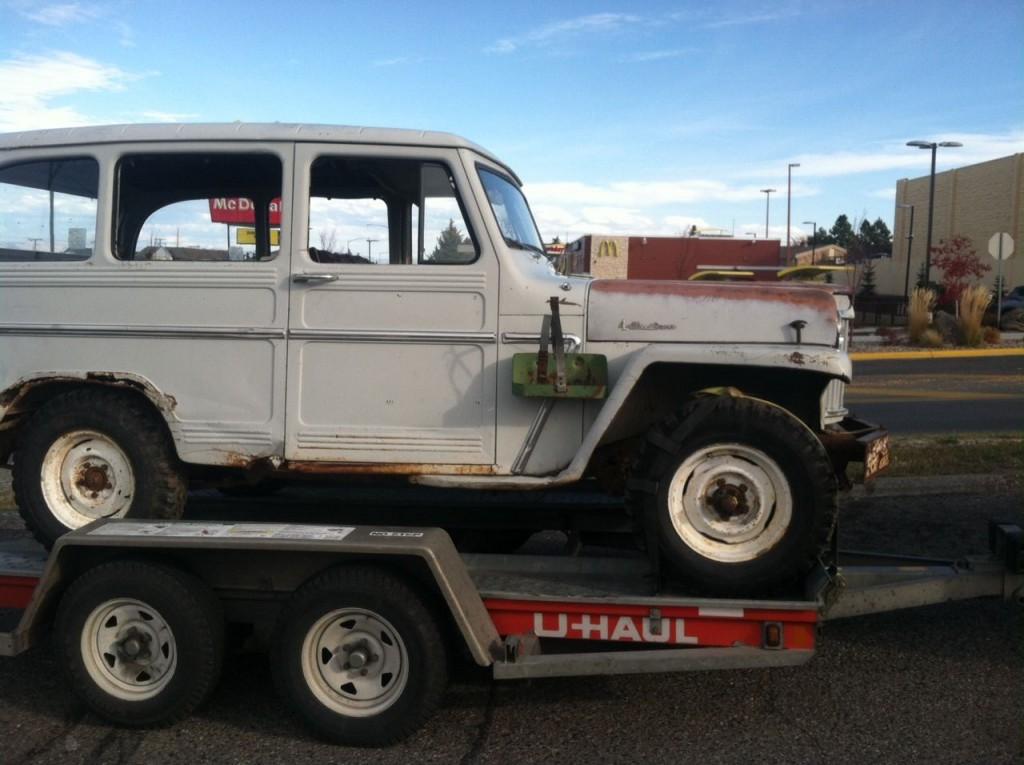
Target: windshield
{"x": 512, "y": 212}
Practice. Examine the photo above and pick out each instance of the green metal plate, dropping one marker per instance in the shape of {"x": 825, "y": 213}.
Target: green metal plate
{"x": 586, "y": 376}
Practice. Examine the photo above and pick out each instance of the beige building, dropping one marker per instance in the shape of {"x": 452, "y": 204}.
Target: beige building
{"x": 976, "y": 201}
{"x": 822, "y": 255}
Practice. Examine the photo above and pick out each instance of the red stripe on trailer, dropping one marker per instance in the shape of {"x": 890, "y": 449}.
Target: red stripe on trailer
{"x": 16, "y": 591}
{"x": 672, "y": 625}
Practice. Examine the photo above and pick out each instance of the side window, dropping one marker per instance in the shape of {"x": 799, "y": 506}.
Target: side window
{"x": 48, "y": 209}
{"x": 386, "y": 211}
{"x": 198, "y": 207}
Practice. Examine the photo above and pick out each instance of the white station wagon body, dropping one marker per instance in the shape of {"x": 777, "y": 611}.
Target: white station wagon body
{"x": 292, "y": 361}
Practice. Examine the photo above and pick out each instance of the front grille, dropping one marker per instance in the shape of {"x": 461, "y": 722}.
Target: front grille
{"x": 832, "y": 408}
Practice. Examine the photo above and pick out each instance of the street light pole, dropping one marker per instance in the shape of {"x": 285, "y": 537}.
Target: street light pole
{"x": 910, "y": 248}
{"x": 814, "y": 236}
{"x": 767, "y": 205}
{"x": 933, "y": 146}
{"x": 789, "y": 202}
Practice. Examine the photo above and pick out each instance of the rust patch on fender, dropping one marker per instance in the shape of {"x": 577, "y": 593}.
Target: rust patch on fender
{"x": 814, "y": 298}
{"x": 797, "y": 358}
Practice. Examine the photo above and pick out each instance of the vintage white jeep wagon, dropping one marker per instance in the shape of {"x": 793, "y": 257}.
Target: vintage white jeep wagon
{"x": 182, "y": 301}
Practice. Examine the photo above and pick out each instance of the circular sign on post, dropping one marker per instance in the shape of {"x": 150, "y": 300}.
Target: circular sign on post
{"x": 1000, "y": 252}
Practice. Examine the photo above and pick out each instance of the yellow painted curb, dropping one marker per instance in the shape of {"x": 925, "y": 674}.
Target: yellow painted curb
{"x": 965, "y": 353}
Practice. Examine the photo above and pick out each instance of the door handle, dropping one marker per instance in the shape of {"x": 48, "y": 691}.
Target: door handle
{"x": 314, "y": 278}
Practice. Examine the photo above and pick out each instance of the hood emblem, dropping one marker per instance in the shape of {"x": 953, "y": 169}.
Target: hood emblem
{"x": 636, "y": 325}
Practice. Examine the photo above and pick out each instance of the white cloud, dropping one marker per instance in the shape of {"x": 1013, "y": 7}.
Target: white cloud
{"x": 545, "y": 34}
{"x": 60, "y": 14}
{"x": 642, "y": 57}
{"x": 888, "y": 193}
{"x": 640, "y": 194}
{"x": 750, "y": 18}
{"x": 896, "y": 156}
{"x": 29, "y": 83}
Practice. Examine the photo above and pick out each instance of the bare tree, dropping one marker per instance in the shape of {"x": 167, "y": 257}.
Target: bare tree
{"x": 328, "y": 239}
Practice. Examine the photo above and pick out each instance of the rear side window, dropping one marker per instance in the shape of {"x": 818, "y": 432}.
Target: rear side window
{"x": 48, "y": 209}
{"x": 198, "y": 207}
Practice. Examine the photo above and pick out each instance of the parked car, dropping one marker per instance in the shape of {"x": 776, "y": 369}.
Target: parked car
{"x": 451, "y": 353}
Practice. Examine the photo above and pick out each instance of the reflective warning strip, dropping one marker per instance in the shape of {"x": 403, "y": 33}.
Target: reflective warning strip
{"x": 16, "y": 591}
{"x": 682, "y": 625}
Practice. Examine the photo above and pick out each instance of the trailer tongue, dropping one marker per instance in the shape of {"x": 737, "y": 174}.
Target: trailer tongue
{"x": 360, "y": 613}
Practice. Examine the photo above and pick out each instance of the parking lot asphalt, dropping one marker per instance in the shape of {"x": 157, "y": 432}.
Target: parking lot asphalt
{"x": 941, "y": 684}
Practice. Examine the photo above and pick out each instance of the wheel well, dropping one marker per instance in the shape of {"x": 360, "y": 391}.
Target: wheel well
{"x": 663, "y": 388}
{"x": 19, "y": 402}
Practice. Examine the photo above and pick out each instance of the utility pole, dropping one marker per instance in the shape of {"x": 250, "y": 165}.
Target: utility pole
{"x": 789, "y": 204}
{"x": 910, "y": 248}
{"x": 767, "y": 205}
{"x": 933, "y": 146}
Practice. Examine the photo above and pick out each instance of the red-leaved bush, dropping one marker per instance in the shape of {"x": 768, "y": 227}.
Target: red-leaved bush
{"x": 960, "y": 265}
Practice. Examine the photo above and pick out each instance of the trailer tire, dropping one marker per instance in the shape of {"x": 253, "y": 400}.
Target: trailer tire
{"x": 741, "y": 493}
{"x": 360, "y": 656}
{"x": 101, "y": 435}
{"x": 141, "y": 643}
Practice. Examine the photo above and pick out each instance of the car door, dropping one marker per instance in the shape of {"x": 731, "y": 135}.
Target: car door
{"x": 393, "y": 314}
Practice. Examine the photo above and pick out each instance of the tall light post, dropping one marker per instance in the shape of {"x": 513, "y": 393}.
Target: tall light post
{"x": 767, "y": 205}
{"x": 933, "y": 146}
{"x": 789, "y": 202}
{"x": 910, "y": 248}
{"x": 814, "y": 236}
{"x": 369, "y": 249}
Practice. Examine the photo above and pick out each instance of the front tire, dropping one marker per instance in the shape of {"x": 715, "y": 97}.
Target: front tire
{"x": 360, "y": 657}
{"x": 741, "y": 493}
{"x": 141, "y": 643}
{"x": 94, "y": 453}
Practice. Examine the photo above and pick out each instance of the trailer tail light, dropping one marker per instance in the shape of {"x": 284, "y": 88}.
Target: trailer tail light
{"x": 772, "y": 635}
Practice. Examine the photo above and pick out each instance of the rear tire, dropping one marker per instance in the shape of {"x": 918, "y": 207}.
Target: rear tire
{"x": 360, "y": 657}
{"x": 742, "y": 495}
{"x": 140, "y": 643}
{"x": 94, "y": 453}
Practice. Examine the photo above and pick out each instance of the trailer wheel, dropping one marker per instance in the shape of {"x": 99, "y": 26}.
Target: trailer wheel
{"x": 742, "y": 494}
{"x": 360, "y": 656}
{"x": 94, "y": 453}
{"x": 141, "y": 643}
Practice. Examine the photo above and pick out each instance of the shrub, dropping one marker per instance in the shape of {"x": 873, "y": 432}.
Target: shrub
{"x": 991, "y": 336}
{"x": 922, "y": 302}
{"x": 973, "y": 302}
{"x": 930, "y": 339}
{"x": 959, "y": 264}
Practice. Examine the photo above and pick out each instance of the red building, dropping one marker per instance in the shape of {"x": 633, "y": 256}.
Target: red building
{"x": 664, "y": 257}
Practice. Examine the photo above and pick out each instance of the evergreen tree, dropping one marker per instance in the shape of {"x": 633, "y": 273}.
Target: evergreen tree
{"x": 447, "y": 248}
{"x": 881, "y": 237}
{"x": 842, "y": 232}
{"x": 867, "y": 284}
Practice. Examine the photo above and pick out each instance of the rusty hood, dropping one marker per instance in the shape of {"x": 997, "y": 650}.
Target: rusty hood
{"x": 715, "y": 312}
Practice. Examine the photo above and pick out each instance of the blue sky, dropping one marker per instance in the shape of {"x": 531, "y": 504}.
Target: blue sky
{"x": 629, "y": 118}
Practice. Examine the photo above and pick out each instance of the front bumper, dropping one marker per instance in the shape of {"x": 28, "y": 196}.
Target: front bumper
{"x": 853, "y": 440}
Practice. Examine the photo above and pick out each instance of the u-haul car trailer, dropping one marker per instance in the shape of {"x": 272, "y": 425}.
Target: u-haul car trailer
{"x": 364, "y": 618}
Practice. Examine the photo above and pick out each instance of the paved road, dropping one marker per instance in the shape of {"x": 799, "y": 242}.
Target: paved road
{"x": 972, "y": 395}
{"x": 940, "y": 685}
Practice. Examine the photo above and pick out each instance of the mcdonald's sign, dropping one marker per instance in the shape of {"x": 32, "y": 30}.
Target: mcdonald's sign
{"x": 608, "y": 249}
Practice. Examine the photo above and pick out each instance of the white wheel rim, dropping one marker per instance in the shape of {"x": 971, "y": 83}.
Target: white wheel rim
{"x": 128, "y": 649}
{"x": 85, "y": 476}
{"x": 355, "y": 662}
{"x": 730, "y": 502}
